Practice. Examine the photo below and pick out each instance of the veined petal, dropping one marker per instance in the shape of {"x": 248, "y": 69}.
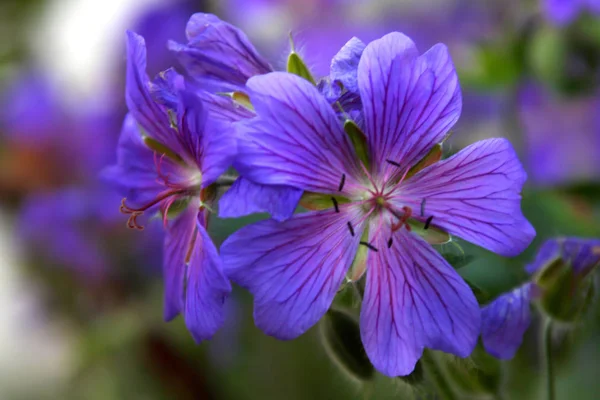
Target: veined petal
{"x": 218, "y": 52}
{"x": 344, "y": 65}
{"x": 293, "y": 268}
{"x": 178, "y": 240}
{"x": 149, "y": 114}
{"x": 297, "y": 139}
{"x": 414, "y": 299}
{"x": 223, "y": 108}
{"x": 475, "y": 195}
{"x": 410, "y": 102}
{"x": 210, "y": 143}
{"x": 135, "y": 173}
{"x": 245, "y": 197}
{"x": 207, "y": 287}
{"x": 505, "y": 320}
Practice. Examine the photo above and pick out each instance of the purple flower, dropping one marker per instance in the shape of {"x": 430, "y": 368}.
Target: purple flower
{"x": 382, "y": 215}
{"x": 560, "y": 267}
{"x": 562, "y": 12}
{"x": 167, "y": 161}
{"x": 553, "y": 158}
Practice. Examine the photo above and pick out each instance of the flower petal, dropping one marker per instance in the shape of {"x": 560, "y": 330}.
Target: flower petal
{"x": 207, "y": 287}
{"x": 561, "y": 12}
{"x": 409, "y": 101}
{"x": 245, "y": 197}
{"x": 210, "y": 143}
{"x": 297, "y": 139}
{"x": 475, "y": 195}
{"x": 135, "y": 173}
{"x": 293, "y": 268}
{"x": 505, "y": 320}
{"x": 414, "y": 299}
{"x": 149, "y": 114}
{"x": 218, "y": 52}
{"x": 548, "y": 252}
{"x": 344, "y": 65}
{"x": 177, "y": 244}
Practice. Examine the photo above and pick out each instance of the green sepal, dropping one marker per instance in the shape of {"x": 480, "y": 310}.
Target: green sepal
{"x": 434, "y": 155}
{"x": 296, "y": 66}
{"x": 161, "y": 149}
{"x": 359, "y": 264}
{"x": 178, "y": 207}
{"x": 318, "y": 201}
{"x": 341, "y": 337}
{"x": 239, "y": 98}
{"x": 359, "y": 141}
{"x": 432, "y": 234}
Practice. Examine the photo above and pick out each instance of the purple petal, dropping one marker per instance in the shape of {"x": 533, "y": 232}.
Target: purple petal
{"x": 410, "y": 102}
{"x": 223, "y": 108}
{"x": 475, "y": 195}
{"x": 245, "y": 197}
{"x": 210, "y": 143}
{"x": 177, "y": 244}
{"x": 297, "y": 139}
{"x": 293, "y": 268}
{"x": 150, "y": 115}
{"x": 166, "y": 86}
{"x": 414, "y": 299}
{"x": 505, "y": 320}
{"x": 562, "y": 12}
{"x": 206, "y": 289}
{"x": 549, "y": 251}
{"x": 344, "y": 65}
{"x": 135, "y": 172}
{"x": 218, "y": 52}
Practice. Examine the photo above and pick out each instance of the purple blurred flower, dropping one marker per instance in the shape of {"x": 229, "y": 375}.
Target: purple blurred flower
{"x": 414, "y": 298}
{"x": 562, "y": 12}
{"x": 167, "y": 159}
{"x": 505, "y": 320}
{"x": 562, "y": 136}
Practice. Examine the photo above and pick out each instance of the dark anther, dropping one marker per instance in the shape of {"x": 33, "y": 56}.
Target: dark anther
{"x": 342, "y": 182}
{"x": 394, "y": 163}
{"x": 428, "y": 222}
{"x": 369, "y": 246}
{"x": 390, "y": 242}
{"x": 423, "y": 207}
{"x": 350, "y": 228}
{"x": 335, "y": 204}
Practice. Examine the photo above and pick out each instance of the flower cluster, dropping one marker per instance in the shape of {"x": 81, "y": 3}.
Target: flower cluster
{"x": 359, "y": 150}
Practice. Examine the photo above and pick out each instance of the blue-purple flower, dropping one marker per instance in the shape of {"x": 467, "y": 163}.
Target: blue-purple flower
{"x": 562, "y": 12}
{"x": 388, "y": 196}
{"x": 168, "y": 158}
{"x": 559, "y": 281}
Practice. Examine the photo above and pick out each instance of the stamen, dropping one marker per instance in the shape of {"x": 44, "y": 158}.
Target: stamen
{"x": 428, "y": 222}
{"x": 335, "y": 204}
{"x": 390, "y": 242}
{"x": 350, "y": 228}
{"x": 369, "y": 246}
{"x": 343, "y": 181}
{"x": 394, "y": 163}
{"x": 136, "y": 212}
{"x": 401, "y": 218}
{"x": 423, "y": 207}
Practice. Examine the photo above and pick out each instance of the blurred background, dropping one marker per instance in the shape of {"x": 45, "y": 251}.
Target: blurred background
{"x": 81, "y": 295}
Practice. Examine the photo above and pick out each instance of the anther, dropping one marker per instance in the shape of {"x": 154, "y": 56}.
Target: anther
{"x": 335, "y": 204}
{"x": 342, "y": 182}
{"x": 394, "y": 163}
{"x": 350, "y": 228}
{"x": 428, "y": 222}
{"x": 423, "y": 207}
{"x": 390, "y": 242}
{"x": 369, "y": 246}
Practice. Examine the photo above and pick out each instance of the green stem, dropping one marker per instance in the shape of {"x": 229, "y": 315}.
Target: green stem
{"x": 549, "y": 368}
{"x": 436, "y": 374}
